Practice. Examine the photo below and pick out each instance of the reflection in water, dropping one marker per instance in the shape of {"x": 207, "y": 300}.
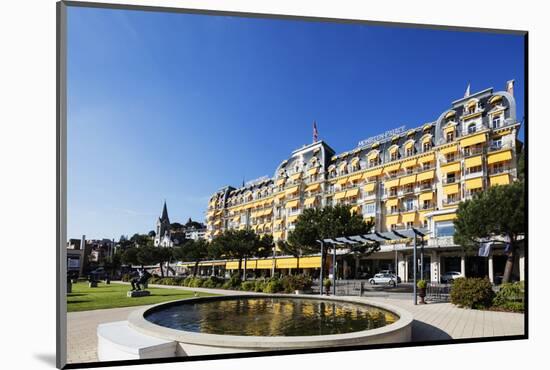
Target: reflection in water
{"x": 272, "y": 317}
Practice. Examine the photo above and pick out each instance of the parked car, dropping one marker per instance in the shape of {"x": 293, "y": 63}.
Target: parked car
{"x": 387, "y": 279}
{"x": 391, "y": 273}
{"x": 449, "y": 276}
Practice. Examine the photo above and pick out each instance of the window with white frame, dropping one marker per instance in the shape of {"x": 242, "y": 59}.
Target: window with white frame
{"x": 472, "y": 128}
{"x": 496, "y": 121}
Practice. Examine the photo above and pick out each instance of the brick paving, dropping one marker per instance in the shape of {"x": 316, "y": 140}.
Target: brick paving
{"x": 434, "y": 321}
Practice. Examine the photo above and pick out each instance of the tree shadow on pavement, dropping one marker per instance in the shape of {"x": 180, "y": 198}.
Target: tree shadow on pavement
{"x": 426, "y": 332}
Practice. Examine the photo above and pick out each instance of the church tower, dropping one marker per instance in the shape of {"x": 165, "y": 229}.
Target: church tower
{"x": 163, "y": 226}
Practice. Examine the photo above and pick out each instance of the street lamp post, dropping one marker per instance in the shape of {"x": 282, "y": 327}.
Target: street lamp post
{"x": 334, "y": 270}
{"x": 321, "y": 272}
{"x": 414, "y": 269}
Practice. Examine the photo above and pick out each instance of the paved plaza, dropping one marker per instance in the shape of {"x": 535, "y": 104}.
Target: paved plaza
{"x": 435, "y": 321}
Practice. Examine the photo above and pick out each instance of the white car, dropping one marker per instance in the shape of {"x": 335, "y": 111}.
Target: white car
{"x": 383, "y": 278}
{"x": 449, "y": 276}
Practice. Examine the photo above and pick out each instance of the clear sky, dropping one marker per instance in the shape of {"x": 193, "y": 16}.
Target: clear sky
{"x": 175, "y": 106}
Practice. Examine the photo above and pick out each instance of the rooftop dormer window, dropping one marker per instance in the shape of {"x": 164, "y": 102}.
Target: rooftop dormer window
{"x": 472, "y": 128}
{"x": 450, "y": 136}
{"x": 496, "y": 123}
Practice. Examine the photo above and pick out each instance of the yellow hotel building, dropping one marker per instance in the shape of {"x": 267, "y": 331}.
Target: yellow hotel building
{"x": 400, "y": 179}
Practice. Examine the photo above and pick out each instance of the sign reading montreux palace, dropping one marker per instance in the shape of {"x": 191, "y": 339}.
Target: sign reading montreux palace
{"x": 385, "y": 135}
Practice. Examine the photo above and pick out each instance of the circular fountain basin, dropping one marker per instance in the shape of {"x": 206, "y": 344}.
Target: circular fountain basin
{"x": 245, "y": 323}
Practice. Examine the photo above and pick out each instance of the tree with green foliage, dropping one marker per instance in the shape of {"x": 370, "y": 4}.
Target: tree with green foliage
{"x": 498, "y": 211}
{"x": 193, "y": 250}
{"x": 328, "y": 223}
{"x": 112, "y": 263}
{"x": 129, "y": 256}
{"x": 237, "y": 244}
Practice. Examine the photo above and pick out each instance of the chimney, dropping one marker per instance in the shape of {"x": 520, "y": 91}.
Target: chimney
{"x": 83, "y": 242}
{"x": 510, "y": 87}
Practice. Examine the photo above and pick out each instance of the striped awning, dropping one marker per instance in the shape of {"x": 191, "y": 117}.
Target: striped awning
{"x": 499, "y": 157}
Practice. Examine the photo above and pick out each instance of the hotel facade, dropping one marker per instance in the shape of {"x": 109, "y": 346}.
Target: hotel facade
{"x": 400, "y": 179}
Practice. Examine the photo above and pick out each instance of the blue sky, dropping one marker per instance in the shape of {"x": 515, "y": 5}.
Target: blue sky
{"x": 175, "y": 106}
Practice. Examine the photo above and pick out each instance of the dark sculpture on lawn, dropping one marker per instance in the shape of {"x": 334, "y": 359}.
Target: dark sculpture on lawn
{"x": 141, "y": 279}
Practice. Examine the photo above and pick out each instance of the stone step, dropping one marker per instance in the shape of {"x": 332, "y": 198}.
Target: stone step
{"x": 117, "y": 341}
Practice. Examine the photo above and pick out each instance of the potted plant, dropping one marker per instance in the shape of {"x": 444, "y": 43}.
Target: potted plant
{"x": 421, "y": 285}
{"x": 327, "y": 283}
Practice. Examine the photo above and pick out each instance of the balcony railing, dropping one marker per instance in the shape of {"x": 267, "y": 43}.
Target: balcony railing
{"x": 451, "y": 180}
{"x": 409, "y": 209}
{"x": 497, "y": 170}
{"x": 427, "y": 206}
{"x": 457, "y": 157}
{"x": 448, "y": 202}
{"x": 496, "y": 147}
{"x": 472, "y": 152}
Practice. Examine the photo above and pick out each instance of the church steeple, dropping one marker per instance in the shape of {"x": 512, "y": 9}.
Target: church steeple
{"x": 164, "y": 216}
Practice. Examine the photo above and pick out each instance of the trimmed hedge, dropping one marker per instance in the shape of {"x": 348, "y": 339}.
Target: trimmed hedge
{"x": 472, "y": 292}
{"x": 511, "y": 296}
{"x": 288, "y": 283}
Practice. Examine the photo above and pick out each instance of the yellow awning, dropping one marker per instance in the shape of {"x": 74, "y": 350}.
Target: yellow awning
{"x": 267, "y": 212}
{"x": 280, "y": 182}
{"x": 296, "y": 176}
{"x": 373, "y": 154}
{"x": 472, "y": 140}
{"x": 286, "y": 263}
{"x": 408, "y": 217}
{"x": 455, "y": 167}
{"x": 373, "y": 173}
{"x": 279, "y": 221}
{"x": 426, "y": 196}
{"x": 310, "y": 262}
{"x": 427, "y": 158}
{"x": 409, "y": 163}
{"x": 472, "y": 162}
{"x": 355, "y": 178}
{"x": 278, "y": 234}
{"x": 499, "y": 157}
{"x": 342, "y": 165}
{"x": 407, "y": 180}
{"x": 313, "y": 187}
{"x": 369, "y": 187}
{"x": 428, "y": 175}
{"x": 340, "y": 195}
{"x": 218, "y": 222}
{"x": 264, "y": 264}
{"x": 450, "y": 189}
{"x": 503, "y": 179}
{"x": 352, "y": 193}
{"x": 280, "y": 196}
{"x": 342, "y": 181}
{"x": 474, "y": 183}
{"x": 392, "y": 167}
{"x": 232, "y": 265}
{"x": 449, "y": 149}
{"x": 312, "y": 171}
{"x": 236, "y": 218}
{"x": 354, "y": 161}
{"x": 447, "y": 217}
{"x": 409, "y": 144}
{"x": 393, "y": 149}
{"x": 309, "y": 201}
{"x": 391, "y": 202}
{"x": 291, "y": 219}
{"x": 354, "y": 209}
{"x": 426, "y": 138}
{"x": 391, "y": 220}
{"x": 292, "y": 190}
{"x": 391, "y": 183}
{"x": 448, "y": 129}
{"x": 292, "y": 204}
{"x": 250, "y": 264}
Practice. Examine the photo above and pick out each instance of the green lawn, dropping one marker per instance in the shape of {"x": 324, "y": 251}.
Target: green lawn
{"x": 84, "y": 298}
